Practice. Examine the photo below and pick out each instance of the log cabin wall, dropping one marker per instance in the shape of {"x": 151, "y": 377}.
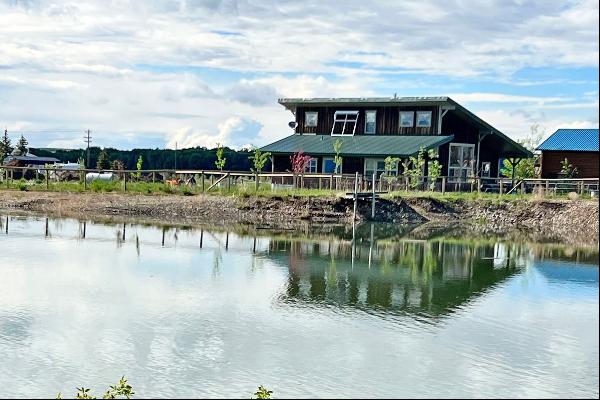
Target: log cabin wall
{"x": 386, "y": 123}
{"x": 585, "y": 161}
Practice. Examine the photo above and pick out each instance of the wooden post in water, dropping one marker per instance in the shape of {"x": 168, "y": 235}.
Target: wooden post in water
{"x": 373, "y": 198}
{"x": 355, "y": 195}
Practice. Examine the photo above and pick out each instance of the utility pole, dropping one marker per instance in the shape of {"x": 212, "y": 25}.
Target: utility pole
{"x": 87, "y": 139}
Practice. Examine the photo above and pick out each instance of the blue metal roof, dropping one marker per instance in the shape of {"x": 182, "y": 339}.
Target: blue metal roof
{"x": 571, "y": 140}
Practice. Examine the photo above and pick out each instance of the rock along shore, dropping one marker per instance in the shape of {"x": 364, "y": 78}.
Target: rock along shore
{"x": 564, "y": 221}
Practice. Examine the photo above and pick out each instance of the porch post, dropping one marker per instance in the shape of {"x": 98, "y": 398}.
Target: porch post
{"x": 480, "y": 138}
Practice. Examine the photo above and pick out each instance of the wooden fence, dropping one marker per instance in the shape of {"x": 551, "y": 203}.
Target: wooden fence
{"x": 209, "y": 180}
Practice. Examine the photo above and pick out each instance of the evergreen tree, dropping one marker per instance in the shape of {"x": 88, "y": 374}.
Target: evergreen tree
{"x": 103, "y": 161}
{"x": 5, "y": 147}
{"x": 22, "y": 146}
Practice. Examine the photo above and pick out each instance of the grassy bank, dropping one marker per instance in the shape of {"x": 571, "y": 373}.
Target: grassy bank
{"x": 248, "y": 189}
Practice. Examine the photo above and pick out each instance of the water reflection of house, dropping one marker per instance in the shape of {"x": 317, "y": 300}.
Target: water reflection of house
{"x": 423, "y": 277}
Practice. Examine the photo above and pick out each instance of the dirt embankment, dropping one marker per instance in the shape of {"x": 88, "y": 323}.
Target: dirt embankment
{"x": 563, "y": 221}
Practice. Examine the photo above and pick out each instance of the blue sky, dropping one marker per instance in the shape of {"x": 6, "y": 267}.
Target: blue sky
{"x": 192, "y": 72}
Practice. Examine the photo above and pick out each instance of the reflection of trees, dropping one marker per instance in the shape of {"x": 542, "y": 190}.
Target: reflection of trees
{"x": 431, "y": 277}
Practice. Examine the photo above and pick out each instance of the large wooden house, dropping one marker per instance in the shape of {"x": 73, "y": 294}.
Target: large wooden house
{"x": 371, "y": 129}
{"x": 578, "y": 146}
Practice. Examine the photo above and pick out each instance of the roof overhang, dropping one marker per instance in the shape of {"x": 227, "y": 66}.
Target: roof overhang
{"x": 357, "y": 146}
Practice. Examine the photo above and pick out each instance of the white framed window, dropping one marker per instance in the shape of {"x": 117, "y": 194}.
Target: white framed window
{"x": 344, "y": 123}
{"x": 370, "y": 122}
{"x": 407, "y": 119}
{"x": 461, "y": 162}
{"x": 423, "y": 119}
{"x": 374, "y": 165}
{"x": 310, "y": 119}
{"x": 311, "y": 167}
{"x": 329, "y": 166}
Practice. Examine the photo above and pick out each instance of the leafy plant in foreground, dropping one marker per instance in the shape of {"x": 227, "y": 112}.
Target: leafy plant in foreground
{"x": 263, "y": 393}
{"x": 124, "y": 390}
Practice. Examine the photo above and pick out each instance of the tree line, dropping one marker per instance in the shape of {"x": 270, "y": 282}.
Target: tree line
{"x": 190, "y": 158}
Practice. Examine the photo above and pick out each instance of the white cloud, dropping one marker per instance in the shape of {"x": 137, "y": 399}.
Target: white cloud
{"x": 235, "y": 132}
{"x": 517, "y": 123}
{"x": 479, "y": 97}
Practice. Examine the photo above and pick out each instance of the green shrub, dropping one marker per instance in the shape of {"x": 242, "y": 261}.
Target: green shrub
{"x": 22, "y": 185}
{"x": 104, "y": 186}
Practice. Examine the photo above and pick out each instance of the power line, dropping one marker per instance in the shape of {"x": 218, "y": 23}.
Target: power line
{"x": 88, "y": 139}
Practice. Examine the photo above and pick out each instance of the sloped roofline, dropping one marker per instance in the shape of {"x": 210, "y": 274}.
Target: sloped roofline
{"x": 292, "y": 103}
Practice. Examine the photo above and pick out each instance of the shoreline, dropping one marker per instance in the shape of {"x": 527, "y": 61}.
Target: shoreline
{"x": 562, "y": 221}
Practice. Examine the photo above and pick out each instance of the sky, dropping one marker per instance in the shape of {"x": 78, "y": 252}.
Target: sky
{"x": 156, "y": 73}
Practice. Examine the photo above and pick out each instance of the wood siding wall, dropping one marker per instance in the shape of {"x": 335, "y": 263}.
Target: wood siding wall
{"x": 585, "y": 161}
{"x": 387, "y": 120}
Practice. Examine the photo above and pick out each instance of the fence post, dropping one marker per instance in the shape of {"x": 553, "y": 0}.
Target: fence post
{"x": 125, "y": 181}
{"x": 522, "y": 187}
{"x": 501, "y": 187}
{"x": 202, "y": 178}
{"x": 478, "y": 185}
{"x": 47, "y": 178}
{"x": 153, "y": 176}
{"x": 373, "y": 198}
{"x": 84, "y": 180}
{"x": 443, "y": 184}
{"x": 331, "y": 182}
{"x": 355, "y": 195}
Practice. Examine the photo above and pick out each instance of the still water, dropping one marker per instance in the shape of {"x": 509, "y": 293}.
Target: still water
{"x": 206, "y": 312}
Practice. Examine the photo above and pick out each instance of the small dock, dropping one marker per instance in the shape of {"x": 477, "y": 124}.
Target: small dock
{"x": 363, "y": 195}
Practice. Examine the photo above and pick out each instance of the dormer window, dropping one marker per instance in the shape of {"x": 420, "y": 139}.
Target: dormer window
{"x": 344, "y": 123}
{"x": 310, "y": 119}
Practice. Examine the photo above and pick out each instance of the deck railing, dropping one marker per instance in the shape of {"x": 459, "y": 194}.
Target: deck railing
{"x": 210, "y": 180}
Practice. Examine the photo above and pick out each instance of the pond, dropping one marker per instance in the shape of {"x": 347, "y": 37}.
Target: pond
{"x": 367, "y": 312}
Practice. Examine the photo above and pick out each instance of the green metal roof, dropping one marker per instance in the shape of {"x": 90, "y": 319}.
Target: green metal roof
{"x": 359, "y": 145}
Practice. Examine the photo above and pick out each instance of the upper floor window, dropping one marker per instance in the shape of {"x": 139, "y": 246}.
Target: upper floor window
{"x": 310, "y": 119}
{"x": 407, "y": 119}
{"x": 423, "y": 119}
{"x": 370, "y": 122}
{"x": 344, "y": 123}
